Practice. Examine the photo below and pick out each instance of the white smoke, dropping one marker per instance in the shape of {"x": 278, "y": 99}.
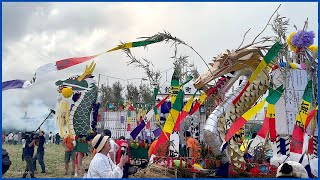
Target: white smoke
{"x": 20, "y": 115}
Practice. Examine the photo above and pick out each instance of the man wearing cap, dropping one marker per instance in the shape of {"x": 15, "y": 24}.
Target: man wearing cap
{"x": 101, "y": 165}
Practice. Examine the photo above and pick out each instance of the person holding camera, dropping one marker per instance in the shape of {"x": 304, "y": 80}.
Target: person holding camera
{"x": 28, "y": 152}
{"x": 101, "y": 165}
{"x": 113, "y": 144}
{"x": 40, "y": 153}
{"x": 124, "y": 150}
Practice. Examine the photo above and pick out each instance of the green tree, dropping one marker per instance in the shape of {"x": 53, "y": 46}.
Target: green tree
{"x": 116, "y": 93}
{"x": 145, "y": 94}
{"x": 106, "y": 92}
{"x": 132, "y": 94}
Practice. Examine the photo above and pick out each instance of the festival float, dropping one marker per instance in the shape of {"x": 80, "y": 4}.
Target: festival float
{"x": 277, "y": 76}
{"x": 281, "y": 79}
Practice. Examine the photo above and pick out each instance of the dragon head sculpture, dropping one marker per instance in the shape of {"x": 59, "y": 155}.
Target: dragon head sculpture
{"x": 238, "y": 63}
{"x": 75, "y": 120}
{"x": 229, "y": 62}
{"x": 78, "y": 83}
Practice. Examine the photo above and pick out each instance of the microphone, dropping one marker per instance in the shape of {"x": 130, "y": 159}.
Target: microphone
{"x": 52, "y": 111}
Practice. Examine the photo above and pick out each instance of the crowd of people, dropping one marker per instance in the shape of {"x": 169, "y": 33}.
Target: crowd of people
{"x": 110, "y": 157}
{"x": 14, "y": 138}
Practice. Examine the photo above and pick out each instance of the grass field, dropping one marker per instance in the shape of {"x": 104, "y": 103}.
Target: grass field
{"x": 53, "y": 159}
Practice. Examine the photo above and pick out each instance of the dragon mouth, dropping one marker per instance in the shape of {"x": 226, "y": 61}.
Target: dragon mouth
{"x": 228, "y": 63}
{"x": 75, "y": 87}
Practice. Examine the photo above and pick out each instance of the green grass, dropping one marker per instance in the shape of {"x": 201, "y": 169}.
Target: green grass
{"x": 53, "y": 159}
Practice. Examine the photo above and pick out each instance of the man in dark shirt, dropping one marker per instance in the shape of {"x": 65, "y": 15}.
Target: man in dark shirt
{"x": 40, "y": 153}
{"x": 57, "y": 138}
{"x": 28, "y": 151}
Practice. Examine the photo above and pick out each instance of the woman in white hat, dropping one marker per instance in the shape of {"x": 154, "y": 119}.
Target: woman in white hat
{"x": 101, "y": 166}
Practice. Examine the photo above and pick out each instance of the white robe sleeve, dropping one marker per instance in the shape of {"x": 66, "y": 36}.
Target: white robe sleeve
{"x": 104, "y": 168}
{"x": 107, "y": 172}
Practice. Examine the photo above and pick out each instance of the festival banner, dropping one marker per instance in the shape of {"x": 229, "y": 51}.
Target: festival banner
{"x": 157, "y": 132}
{"x": 129, "y": 120}
{"x": 272, "y": 98}
{"x": 198, "y": 103}
{"x": 45, "y": 70}
{"x": 155, "y": 93}
{"x": 135, "y": 44}
{"x": 310, "y": 116}
{"x": 175, "y": 86}
{"x": 236, "y": 126}
{"x": 146, "y": 120}
{"x": 272, "y": 121}
{"x": 184, "y": 113}
{"x": 271, "y": 54}
{"x": 171, "y": 120}
{"x": 296, "y": 144}
{"x": 134, "y": 133}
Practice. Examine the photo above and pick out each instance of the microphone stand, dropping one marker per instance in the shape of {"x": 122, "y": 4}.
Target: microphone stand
{"x": 51, "y": 112}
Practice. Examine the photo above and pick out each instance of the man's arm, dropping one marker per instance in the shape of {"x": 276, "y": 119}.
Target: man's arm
{"x": 190, "y": 147}
{"x": 64, "y": 145}
{"x": 110, "y": 171}
{"x": 32, "y": 143}
{"x": 111, "y": 154}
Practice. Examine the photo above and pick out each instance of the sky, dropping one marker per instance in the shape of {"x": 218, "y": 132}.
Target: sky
{"x": 34, "y": 34}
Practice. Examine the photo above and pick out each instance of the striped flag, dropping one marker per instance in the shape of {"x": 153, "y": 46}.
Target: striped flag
{"x": 310, "y": 117}
{"x": 299, "y": 127}
{"x": 269, "y": 120}
{"x": 198, "y": 103}
{"x": 147, "y": 119}
{"x": 135, "y": 44}
{"x": 134, "y": 133}
{"x": 311, "y": 143}
{"x": 171, "y": 120}
{"x": 44, "y": 70}
{"x": 236, "y": 126}
{"x": 184, "y": 113}
{"x": 272, "y": 53}
{"x": 155, "y": 93}
{"x": 66, "y": 63}
{"x": 129, "y": 120}
{"x": 175, "y": 86}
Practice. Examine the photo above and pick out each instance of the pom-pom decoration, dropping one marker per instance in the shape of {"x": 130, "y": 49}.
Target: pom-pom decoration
{"x": 303, "y": 39}
{"x": 292, "y": 48}
{"x": 313, "y": 48}
{"x": 67, "y": 92}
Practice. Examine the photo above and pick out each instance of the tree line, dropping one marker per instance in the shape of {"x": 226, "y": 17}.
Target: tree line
{"x": 118, "y": 95}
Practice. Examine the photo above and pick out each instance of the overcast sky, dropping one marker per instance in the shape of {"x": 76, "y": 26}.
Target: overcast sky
{"x": 35, "y": 34}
